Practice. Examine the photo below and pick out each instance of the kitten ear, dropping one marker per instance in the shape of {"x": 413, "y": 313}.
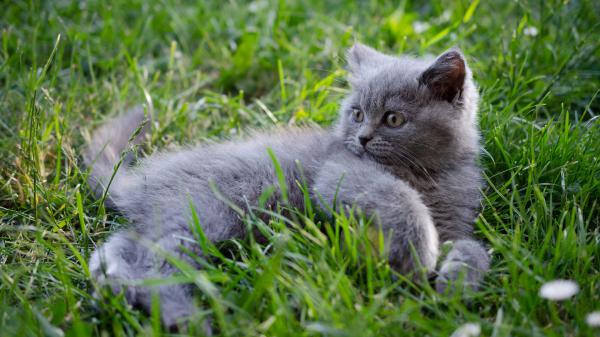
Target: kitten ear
{"x": 361, "y": 58}
{"x": 446, "y": 76}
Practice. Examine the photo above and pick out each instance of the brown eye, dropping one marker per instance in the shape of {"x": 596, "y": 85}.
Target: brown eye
{"x": 394, "y": 119}
{"x": 357, "y": 115}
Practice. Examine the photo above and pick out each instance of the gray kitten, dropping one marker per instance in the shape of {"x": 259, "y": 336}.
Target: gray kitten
{"x": 403, "y": 152}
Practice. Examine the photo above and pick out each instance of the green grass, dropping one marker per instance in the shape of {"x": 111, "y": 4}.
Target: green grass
{"x": 215, "y": 69}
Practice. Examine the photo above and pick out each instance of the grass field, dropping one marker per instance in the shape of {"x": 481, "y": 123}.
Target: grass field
{"x": 214, "y": 69}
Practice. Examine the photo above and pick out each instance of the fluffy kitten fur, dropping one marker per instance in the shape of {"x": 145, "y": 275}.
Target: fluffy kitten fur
{"x": 419, "y": 179}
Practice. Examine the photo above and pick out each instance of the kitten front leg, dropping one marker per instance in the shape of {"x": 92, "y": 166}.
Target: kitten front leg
{"x": 467, "y": 261}
{"x": 403, "y": 217}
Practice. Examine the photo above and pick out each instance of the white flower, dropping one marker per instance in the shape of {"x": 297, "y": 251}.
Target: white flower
{"x": 446, "y": 15}
{"x": 530, "y": 31}
{"x": 178, "y": 55}
{"x": 593, "y": 319}
{"x": 467, "y": 330}
{"x": 256, "y": 6}
{"x": 559, "y": 290}
{"x": 419, "y": 27}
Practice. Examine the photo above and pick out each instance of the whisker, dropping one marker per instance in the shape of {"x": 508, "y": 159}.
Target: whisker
{"x": 395, "y": 155}
{"x": 416, "y": 163}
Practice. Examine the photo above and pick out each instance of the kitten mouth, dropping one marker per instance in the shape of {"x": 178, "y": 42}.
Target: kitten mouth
{"x": 359, "y": 151}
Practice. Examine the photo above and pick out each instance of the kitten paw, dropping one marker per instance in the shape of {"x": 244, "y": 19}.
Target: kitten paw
{"x": 464, "y": 267}
{"x": 457, "y": 276}
{"x": 121, "y": 261}
{"x": 114, "y": 264}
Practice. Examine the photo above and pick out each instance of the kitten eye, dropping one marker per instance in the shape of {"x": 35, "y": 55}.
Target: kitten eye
{"x": 394, "y": 119}
{"x": 357, "y": 115}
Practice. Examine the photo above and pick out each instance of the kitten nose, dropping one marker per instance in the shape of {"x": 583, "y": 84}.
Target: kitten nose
{"x": 364, "y": 140}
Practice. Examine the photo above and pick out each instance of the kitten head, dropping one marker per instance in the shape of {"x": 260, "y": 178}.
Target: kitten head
{"x": 404, "y": 111}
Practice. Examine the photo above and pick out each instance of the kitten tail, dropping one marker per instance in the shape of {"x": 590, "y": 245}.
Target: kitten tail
{"x": 109, "y": 144}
